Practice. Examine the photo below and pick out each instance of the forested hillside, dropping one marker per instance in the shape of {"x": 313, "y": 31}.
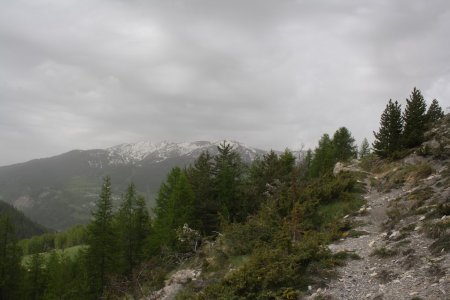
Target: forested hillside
{"x": 24, "y": 227}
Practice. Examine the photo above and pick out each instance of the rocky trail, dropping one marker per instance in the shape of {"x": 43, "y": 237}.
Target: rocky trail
{"x": 174, "y": 284}
{"x": 394, "y": 259}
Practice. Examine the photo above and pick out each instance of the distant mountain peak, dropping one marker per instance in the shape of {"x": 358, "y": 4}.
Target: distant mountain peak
{"x": 159, "y": 151}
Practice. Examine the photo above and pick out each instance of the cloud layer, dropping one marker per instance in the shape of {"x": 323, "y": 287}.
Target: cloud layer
{"x": 272, "y": 74}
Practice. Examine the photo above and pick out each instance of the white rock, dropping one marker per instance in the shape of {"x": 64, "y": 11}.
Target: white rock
{"x": 394, "y": 234}
{"x": 371, "y": 243}
{"x": 422, "y": 218}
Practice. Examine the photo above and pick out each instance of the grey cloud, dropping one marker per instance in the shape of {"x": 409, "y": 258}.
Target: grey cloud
{"x": 272, "y": 74}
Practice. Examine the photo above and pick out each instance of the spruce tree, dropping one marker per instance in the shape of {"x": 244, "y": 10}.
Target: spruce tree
{"x": 264, "y": 171}
{"x": 142, "y": 227}
{"x": 364, "y": 149}
{"x": 174, "y": 208}
{"x": 10, "y": 257}
{"x": 323, "y": 158}
{"x": 434, "y": 112}
{"x": 101, "y": 242}
{"x": 227, "y": 174}
{"x": 132, "y": 228}
{"x": 287, "y": 164}
{"x": 206, "y": 207}
{"x": 388, "y": 138}
{"x": 415, "y": 120}
{"x": 125, "y": 229}
{"x": 305, "y": 164}
{"x": 344, "y": 145}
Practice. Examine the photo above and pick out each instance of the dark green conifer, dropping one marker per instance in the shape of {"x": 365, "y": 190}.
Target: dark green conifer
{"x": 227, "y": 174}
{"x": 142, "y": 227}
{"x": 323, "y": 158}
{"x": 388, "y": 138}
{"x": 434, "y": 112}
{"x": 344, "y": 145}
{"x": 174, "y": 208}
{"x": 305, "y": 164}
{"x": 206, "y": 206}
{"x": 415, "y": 120}
{"x": 132, "y": 229}
{"x": 364, "y": 149}
{"x": 101, "y": 252}
{"x": 287, "y": 164}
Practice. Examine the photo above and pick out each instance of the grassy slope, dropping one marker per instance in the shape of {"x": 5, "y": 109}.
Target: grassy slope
{"x": 69, "y": 252}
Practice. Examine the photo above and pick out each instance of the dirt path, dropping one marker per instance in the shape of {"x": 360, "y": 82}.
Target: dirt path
{"x": 404, "y": 273}
{"x": 174, "y": 284}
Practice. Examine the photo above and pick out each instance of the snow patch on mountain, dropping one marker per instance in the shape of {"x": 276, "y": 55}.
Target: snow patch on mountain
{"x": 134, "y": 153}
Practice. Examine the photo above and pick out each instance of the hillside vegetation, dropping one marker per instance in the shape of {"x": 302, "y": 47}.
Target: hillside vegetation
{"x": 275, "y": 228}
{"x": 24, "y": 227}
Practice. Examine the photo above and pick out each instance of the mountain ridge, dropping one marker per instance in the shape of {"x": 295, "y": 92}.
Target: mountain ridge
{"x": 60, "y": 191}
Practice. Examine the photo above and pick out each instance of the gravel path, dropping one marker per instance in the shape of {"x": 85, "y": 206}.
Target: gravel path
{"x": 174, "y": 284}
{"x": 411, "y": 273}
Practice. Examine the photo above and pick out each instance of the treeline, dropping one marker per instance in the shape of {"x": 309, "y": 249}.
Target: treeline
{"x": 400, "y": 131}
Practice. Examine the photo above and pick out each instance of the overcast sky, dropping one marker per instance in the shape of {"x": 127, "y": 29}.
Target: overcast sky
{"x": 83, "y": 74}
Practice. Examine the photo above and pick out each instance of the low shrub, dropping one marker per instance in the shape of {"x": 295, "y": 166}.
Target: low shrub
{"x": 384, "y": 252}
{"x": 441, "y": 245}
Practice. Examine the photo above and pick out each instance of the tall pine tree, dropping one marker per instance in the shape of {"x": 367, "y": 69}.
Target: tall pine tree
{"x": 132, "y": 228}
{"x": 388, "y": 138}
{"x": 344, "y": 145}
{"x": 206, "y": 207}
{"x": 364, "y": 149}
{"x": 174, "y": 208}
{"x": 227, "y": 174}
{"x": 415, "y": 120}
{"x": 323, "y": 158}
{"x": 101, "y": 242}
{"x": 305, "y": 164}
{"x": 434, "y": 112}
